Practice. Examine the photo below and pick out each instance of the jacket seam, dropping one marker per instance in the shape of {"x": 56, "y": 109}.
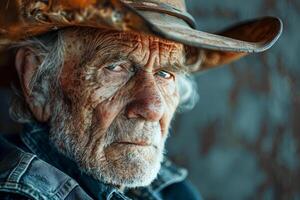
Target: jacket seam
{"x": 23, "y": 164}
{"x": 22, "y": 189}
{"x": 65, "y": 189}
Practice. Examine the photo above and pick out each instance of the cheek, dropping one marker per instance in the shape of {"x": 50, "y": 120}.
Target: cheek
{"x": 171, "y": 97}
{"x": 108, "y": 89}
{"x": 170, "y": 88}
{"x": 101, "y": 94}
{"x": 108, "y": 101}
{"x": 106, "y": 112}
{"x": 169, "y": 92}
{"x": 167, "y": 86}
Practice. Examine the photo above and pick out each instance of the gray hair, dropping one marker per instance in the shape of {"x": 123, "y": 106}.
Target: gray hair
{"x": 50, "y": 48}
{"x": 188, "y": 92}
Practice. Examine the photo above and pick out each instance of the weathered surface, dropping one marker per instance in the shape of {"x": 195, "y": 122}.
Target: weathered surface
{"x": 242, "y": 140}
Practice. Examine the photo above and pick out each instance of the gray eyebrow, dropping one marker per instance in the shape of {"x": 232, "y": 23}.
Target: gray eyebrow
{"x": 117, "y": 56}
{"x": 176, "y": 67}
{"x": 109, "y": 57}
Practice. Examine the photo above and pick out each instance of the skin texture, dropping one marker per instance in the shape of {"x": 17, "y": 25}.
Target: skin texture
{"x": 118, "y": 95}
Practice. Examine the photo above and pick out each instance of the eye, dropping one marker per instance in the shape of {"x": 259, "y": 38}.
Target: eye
{"x": 114, "y": 67}
{"x": 164, "y": 74}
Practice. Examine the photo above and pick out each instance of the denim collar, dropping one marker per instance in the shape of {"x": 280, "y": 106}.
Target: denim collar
{"x": 36, "y": 138}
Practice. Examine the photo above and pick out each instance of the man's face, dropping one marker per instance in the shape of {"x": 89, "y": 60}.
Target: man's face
{"x": 119, "y": 93}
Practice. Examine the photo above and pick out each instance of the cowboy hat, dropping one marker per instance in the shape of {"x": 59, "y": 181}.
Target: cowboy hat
{"x": 164, "y": 18}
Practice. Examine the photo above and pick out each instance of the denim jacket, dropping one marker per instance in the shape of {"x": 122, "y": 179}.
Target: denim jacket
{"x": 32, "y": 169}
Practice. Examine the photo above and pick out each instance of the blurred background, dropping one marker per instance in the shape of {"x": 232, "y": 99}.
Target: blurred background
{"x": 242, "y": 139}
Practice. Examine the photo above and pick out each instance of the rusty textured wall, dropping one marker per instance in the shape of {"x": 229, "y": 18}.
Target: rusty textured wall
{"x": 242, "y": 140}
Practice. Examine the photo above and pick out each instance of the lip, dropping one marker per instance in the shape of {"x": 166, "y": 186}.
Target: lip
{"x": 134, "y": 143}
{"x": 140, "y": 143}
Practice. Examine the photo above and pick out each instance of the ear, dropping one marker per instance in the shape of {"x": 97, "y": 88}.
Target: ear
{"x": 263, "y": 30}
{"x": 27, "y": 63}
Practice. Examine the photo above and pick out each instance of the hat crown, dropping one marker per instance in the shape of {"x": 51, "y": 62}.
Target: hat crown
{"x": 176, "y": 8}
{"x": 176, "y": 4}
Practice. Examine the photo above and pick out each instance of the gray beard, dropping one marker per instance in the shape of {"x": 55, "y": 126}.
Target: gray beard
{"x": 98, "y": 157}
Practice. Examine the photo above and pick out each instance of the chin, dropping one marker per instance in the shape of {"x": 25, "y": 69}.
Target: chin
{"x": 127, "y": 165}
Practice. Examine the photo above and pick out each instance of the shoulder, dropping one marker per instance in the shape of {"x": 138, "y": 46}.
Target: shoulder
{"x": 22, "y": 173}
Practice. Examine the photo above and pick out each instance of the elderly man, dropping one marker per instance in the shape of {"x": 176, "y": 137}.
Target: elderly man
{"x": 99, "y": 83}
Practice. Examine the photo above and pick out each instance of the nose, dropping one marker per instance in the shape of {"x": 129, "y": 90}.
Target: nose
{"x": 147, "y": 102}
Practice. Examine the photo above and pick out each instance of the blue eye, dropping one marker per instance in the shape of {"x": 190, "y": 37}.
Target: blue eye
{"x": 114, "y": 68}
{"x": 164, "y": 74}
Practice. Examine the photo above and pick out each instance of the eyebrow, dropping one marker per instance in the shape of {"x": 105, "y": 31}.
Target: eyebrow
{"x": 176, "y": 67}
{"x": 118, "y": 56}
{"x": 109, "y": 56}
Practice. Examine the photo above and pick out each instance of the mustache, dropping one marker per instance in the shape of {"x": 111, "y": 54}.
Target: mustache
{"x": 133, "y": 130}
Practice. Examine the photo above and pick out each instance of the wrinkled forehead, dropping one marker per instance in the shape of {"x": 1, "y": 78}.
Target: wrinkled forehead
{"x": 132, "y": 45}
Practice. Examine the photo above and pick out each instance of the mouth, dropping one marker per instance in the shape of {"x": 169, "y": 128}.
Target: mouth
{"x": 135, "y": 143}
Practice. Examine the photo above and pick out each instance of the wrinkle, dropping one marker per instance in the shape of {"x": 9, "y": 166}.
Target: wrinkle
{"x": 92, "y": 125}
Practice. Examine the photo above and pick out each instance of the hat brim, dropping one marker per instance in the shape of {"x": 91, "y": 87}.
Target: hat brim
{"x": 267, "y": 30}
{"x": 252, "y": 36}
{"x": 262, "y": 33}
